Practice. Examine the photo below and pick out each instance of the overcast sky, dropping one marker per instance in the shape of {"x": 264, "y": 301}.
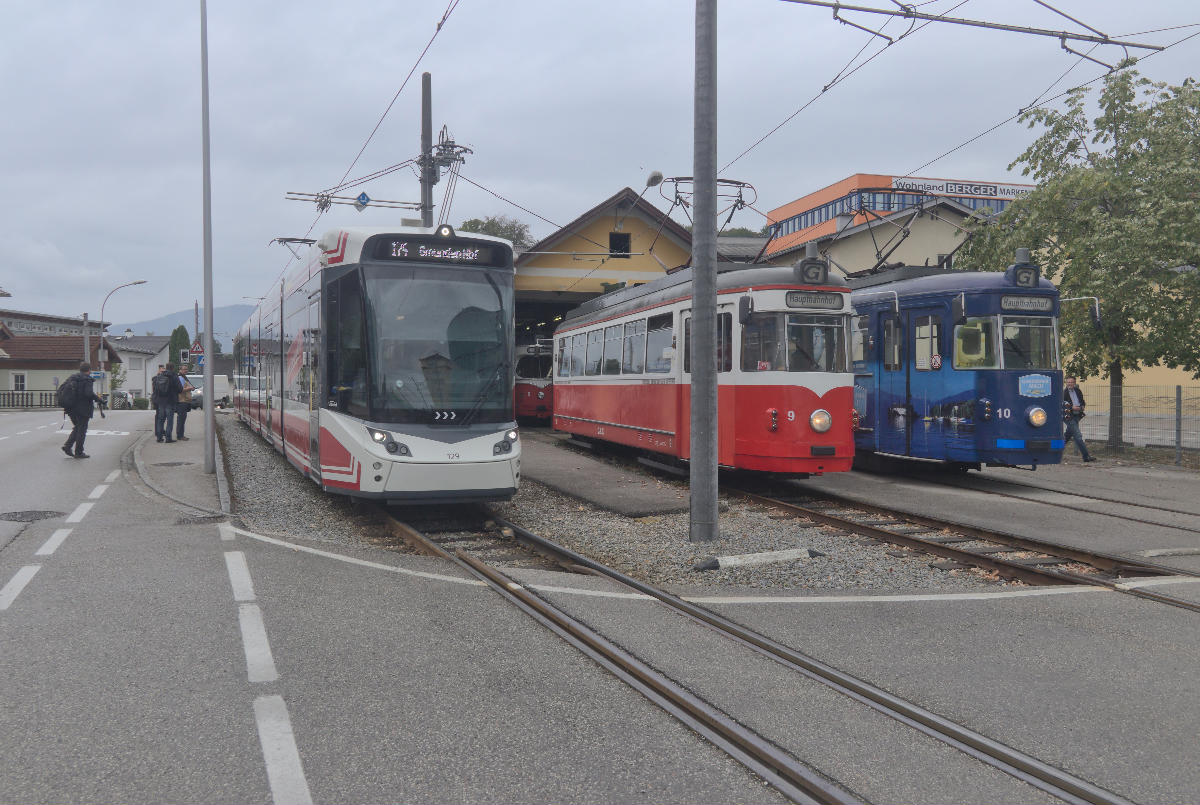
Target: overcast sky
{"x": 563, "y": 103}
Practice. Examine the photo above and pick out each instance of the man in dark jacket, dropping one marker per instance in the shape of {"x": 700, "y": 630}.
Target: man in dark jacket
{"x": 165, "y": 393}
{"x": 1073, "y": 405}
{"x": 80, "y": 410}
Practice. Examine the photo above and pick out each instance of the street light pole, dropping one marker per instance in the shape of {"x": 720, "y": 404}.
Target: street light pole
{"x": 101, "y": 352}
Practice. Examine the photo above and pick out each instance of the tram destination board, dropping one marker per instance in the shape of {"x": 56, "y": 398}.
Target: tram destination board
{"x": 434, "y": 250}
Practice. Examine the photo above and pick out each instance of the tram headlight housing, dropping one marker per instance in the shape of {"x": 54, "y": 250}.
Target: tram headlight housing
{"x": 820, "y": 420}
{"x": 379, "y": 436}
{"x": 389, "y": 444}
{"x": 1037, "y": 416}
{"x": 541, "y": 395}
{"x": 505, "y": 445}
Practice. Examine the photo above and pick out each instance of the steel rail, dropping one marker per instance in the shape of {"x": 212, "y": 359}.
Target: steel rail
{"x": 1020, "y": 765}
{"x": 789, "y": 776}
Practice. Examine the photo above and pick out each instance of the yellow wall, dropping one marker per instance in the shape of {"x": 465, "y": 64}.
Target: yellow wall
{"x": 584, "y": 271}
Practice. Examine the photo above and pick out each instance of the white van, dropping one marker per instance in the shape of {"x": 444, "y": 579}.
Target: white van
{"x": 223, "y": 396}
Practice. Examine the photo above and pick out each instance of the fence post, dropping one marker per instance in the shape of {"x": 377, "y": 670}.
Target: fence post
{"x": 1179, "y": 426}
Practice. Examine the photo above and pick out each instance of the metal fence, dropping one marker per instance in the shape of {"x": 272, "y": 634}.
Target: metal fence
{"x": 36, "y": 398}
{"x": 1164, "y": 419}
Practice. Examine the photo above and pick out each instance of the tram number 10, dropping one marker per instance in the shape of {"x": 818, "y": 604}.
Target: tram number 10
{"x": 1003, "y": 413}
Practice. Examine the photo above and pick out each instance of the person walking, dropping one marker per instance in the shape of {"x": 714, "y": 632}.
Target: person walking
{"x": 183, "y": 405}
{"x": 1073, "y": 411}
{"x": 76, "y": 395}
{"x": 165, "y": 387}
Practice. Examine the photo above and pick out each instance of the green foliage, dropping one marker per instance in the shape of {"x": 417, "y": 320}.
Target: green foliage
{"x": 140, "y": 403}
{"x": 116, "y": 377}
{"x": 500, "y": 226}
{"x": 1116, "y": 215}
{"x": 741, "y": 232}
{"x": 179, "y": 340}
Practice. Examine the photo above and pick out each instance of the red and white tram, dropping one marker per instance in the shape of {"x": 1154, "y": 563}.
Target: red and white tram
{"x": 622, "y": 369}
{"x": 534, "y": 391}
{"x": 382, "y": 366}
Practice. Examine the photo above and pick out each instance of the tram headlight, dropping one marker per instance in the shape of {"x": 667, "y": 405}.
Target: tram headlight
{"x": 541, "y": 395}
{"x": 820, "y": 420}
{"x": 379, "y": 436}
{"x": 1037, "y": 416}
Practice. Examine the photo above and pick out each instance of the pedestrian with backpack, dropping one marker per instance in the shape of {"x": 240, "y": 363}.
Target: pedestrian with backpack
{"x": 183, "y": 406}
{"x": 164, "y": 389}
{"x": 76, "y": 397}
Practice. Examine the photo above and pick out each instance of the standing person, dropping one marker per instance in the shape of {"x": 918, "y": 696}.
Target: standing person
{"x": 1073, "y": 411}
{"x": 76, "y": 395}
{"x": 183, "y": 405}
{"x": 165, "y": 387}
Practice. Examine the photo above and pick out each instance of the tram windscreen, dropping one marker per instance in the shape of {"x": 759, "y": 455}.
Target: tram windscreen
{"x": 975, "y": 344}
{"x": 1029, "y": 342}
{"x": 795, "y": 342}
{"x": 441, "y": 343}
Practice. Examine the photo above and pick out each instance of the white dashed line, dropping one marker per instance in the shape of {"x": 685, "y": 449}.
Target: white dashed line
{"x": 112, "y": 476}
{"x": 80, "y": 512}
{"x": 260, "y": 665}
{"x": 10, "y": 591}
{"x": 51, "y": 545}
{"x": 239, "y": 576}
{"x": 23, "y": 432}
{"x": 98, "y": 491}
{"x": 284, "y": 772}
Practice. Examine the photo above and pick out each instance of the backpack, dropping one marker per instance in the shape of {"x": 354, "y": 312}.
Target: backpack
{"x": 68, "y": 393}
{"x": 161, "y": 383}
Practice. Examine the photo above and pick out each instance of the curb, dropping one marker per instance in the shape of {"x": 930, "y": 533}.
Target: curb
{"x": 144, "y": 474}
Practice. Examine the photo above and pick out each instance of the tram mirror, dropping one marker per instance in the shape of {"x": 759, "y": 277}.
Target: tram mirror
{"x": 958, "y": 310}
{"x": 745, "y": 309}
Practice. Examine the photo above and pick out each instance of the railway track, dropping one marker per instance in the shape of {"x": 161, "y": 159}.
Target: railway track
{"x": 963, "y": 545}
{"x": 793, "y": 778}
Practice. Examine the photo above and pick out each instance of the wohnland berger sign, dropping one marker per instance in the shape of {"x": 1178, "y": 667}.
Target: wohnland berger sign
{"x": 961, "y": 187}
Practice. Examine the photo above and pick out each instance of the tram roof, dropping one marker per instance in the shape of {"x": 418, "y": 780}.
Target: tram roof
{"x": 664, "y": 289}
{"x": 918, "y": 280}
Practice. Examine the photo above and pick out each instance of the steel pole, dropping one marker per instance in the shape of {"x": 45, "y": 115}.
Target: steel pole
{"x": 210, "y": 422}
{"x": 703, "y": 459}
{"x": 427, "y": 168}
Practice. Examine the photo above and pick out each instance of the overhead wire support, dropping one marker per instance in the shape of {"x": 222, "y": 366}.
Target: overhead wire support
{"x": 908, "y": 12}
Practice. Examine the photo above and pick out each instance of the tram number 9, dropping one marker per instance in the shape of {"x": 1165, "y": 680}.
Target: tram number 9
{"x": 791, "y": 416}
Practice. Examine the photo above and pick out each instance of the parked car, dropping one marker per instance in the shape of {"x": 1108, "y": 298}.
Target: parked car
{"x": 223, "y": 398}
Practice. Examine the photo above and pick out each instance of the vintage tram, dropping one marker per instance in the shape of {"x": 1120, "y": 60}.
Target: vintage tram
{"x": 534, "y": 389}
{"x": 957, "y": 367}
{"x": 622, "y": 368}
{"x": 381, "y": 366}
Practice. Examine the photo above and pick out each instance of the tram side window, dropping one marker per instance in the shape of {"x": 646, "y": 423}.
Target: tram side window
{"x": 595, "y": 352}
{"x": 633, "y": 355}
{"x": 928, "y": 334}
{"x": 578, "y": 350}
{"x": 347, "y": 358}
{"x": 724, "y": 343}
{"x": 564, "y": 357}
{"x": 660, "y": 338}
{"x": 862, "y": 326}
{"x": 975, "y": 345}
{"x": 613, "y": 337}
{"x": 891, "y": 344}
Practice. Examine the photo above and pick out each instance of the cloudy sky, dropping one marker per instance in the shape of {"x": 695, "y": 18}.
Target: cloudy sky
{"x": 563, "y": 104}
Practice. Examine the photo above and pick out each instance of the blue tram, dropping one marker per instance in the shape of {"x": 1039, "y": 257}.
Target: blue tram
{"x": 957, "y": 367}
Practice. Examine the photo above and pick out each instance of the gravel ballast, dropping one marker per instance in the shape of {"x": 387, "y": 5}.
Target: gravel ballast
{"x": 270, "y": 496}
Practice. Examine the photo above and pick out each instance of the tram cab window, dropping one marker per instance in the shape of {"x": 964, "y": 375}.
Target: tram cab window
{"x": 534, "y": 367}
{"x": 613, "y": 338}
{"x": 595, "y": 352}
{"x": 633, "y": 353}
{"x": 724, "y": 343}
{"x": 859, "y": 336}
{"x": 660, "y": 340}
{"x": 927, "y": 333}
{"x": 816, "y": 343}
{"x": 347, "y": 359}
{"x": 762, "y": 345}
{"x": 564, "y": 357}
{"x": 1029, "y": 342}
{"x": 975, "y": 344}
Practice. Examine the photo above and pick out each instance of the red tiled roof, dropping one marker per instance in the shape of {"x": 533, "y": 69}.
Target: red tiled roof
{"x": 65, "y": 349}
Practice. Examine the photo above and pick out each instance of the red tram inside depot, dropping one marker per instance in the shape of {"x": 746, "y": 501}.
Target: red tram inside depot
{"x": 622, "y": 368}
{"x": 534, "y": 388}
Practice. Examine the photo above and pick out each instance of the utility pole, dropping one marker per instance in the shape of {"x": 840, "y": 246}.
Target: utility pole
{"x": 196, "y": 319}
{"x": 428, "y": 168}
{"x": 702, "y": 466}
{"x": 87, "y": 347}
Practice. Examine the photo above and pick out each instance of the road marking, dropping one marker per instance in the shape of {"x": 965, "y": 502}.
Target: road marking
{"x": 2, "y": 438}
{"x": 23, "y": 432}
{"x": 227, "y": 532}
{"x": 10, "y": 591}
{"x": 260, "y": 665}
{"x": 112, "y": 476}
{"x": 284, "y": 772}
{"x": 42, "y": 427}
{"x": 51, "y": 545}
{"x": 80, "y": 512}
{"x": 239, "y": 576}
{"x": 98, "y": 491}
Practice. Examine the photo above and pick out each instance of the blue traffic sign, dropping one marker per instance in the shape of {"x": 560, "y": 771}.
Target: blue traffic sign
{"x": 361, "y": 201}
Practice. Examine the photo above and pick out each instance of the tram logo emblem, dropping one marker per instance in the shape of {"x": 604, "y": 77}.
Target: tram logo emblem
{"x": 1034, "y": 385}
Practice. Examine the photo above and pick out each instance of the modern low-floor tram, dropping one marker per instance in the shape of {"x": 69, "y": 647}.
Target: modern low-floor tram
{"x": 381, "y": 367}
{"x": 622, "y": 369}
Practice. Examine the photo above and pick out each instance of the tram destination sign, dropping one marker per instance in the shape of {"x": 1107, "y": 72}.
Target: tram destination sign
{"x": 824, "y": 301}
{"x": 1038, "y": 304}
{"x": 412, "y": 250}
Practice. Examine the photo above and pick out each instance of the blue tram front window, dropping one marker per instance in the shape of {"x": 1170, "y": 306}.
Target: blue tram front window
{"x": 1029, "y": 342}
{"x": 975, "y": 344}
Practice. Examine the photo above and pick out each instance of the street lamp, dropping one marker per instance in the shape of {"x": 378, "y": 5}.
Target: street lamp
{"x": 101, "y": 352}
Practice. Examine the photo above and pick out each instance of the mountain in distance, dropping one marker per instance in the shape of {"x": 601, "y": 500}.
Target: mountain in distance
{"x": 226, "y": 321}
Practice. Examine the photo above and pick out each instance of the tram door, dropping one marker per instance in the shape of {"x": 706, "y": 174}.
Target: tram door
{"x": 892, "y": 390}
{"x": 726, "y": 399}
{"x": 926, "y": 392}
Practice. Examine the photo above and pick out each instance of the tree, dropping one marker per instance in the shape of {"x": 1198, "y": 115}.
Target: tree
{"x": 1116, "y": 215}
{"x": 502, "y": 227}
{"x": 179, "y": 340}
